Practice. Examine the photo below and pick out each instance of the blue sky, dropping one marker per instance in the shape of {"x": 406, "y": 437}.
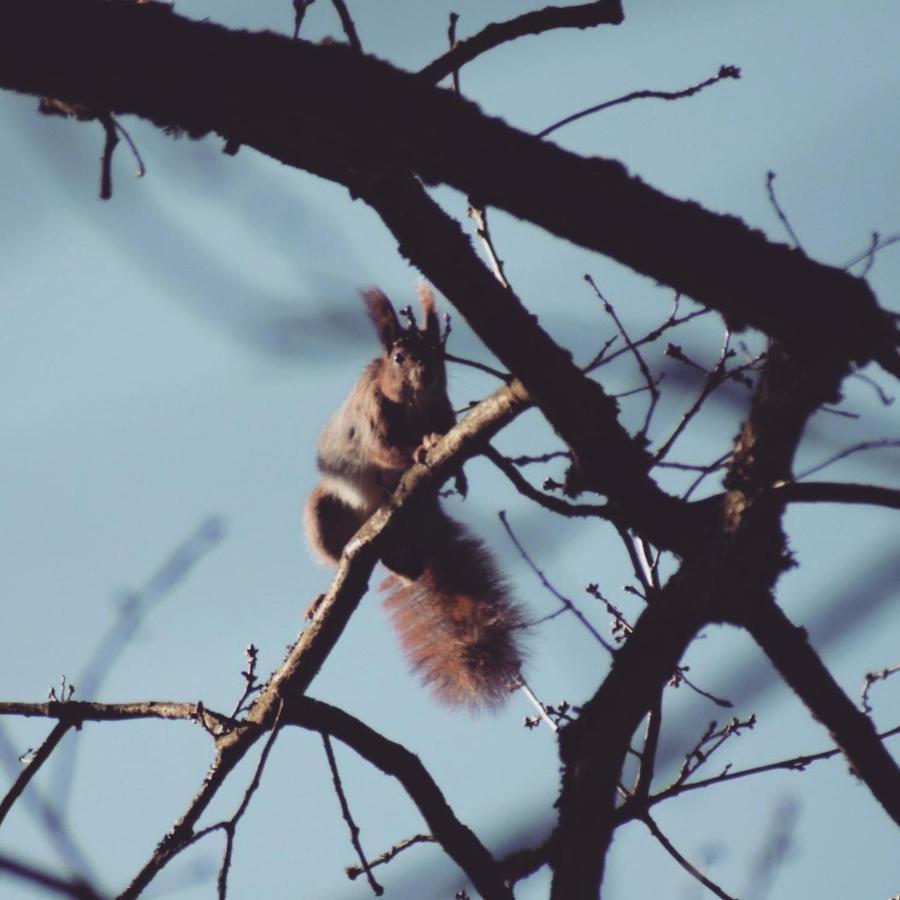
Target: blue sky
{"x": 171, "y": 355}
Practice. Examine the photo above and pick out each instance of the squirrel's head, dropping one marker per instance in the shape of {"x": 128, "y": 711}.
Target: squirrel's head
{"x": 412, "y": 369}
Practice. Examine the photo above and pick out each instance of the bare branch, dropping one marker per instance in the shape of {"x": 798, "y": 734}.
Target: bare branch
{"x": 218, "y": 80}
{"x": 395, "y": 760}
{"x": 554, "y": 504}
{"x": 870, "y": 679}
{"x": 566, "y": 605}
{"x": 230, "y": 826}
{"x": 644, "y": 779}
{"x": 649, "y": 381}
{"x": 849, "y": 451}
{"x": 31, "y": 768}
{"x": 585, "y": 15}
{"x": 788, "y": 647}
{"x": 347, "y": 24}
{"x": 377, "y": 889}
{"x": 795, "y": 763}
{"x": 354, "y": 872}
{"x": 503, "y": 376}
{"x": 770, "y": 187}
{"x": 878, "y": 243}
{"x": 300, "y": 7}
{"x": 682, "y": 861}
{"x": 723, "y": 73}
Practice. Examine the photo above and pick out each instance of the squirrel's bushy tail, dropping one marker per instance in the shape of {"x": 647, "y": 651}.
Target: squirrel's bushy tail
{"x": 461, "y": 629}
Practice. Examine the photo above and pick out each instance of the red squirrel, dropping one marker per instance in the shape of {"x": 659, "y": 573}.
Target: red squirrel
{"x": 453, "y": 611}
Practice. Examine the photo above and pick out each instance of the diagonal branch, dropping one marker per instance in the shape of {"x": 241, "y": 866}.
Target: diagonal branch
{"x": 31, "y": 769}
{"x": 367, "y": 117}
{"x": 333, "y": 612}
{"x": 585, "y": 15}
{"x": 788, "y": 647}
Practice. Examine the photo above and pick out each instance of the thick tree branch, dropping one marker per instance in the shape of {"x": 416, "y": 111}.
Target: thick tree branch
{"x": 609, "y": 460}
{"x": 798, "y": 663}
{"x": 731, "y": 577}
{"x": 338, "y": 113}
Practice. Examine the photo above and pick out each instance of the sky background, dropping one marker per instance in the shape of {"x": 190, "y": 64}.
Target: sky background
{"x": 168, "y": 358}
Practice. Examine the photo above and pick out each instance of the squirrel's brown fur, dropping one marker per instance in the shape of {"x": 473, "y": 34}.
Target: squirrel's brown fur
{"x": 454, "y": 614}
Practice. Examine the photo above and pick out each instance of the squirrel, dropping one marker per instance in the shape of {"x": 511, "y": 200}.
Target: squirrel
{"x": 458, "y": 623}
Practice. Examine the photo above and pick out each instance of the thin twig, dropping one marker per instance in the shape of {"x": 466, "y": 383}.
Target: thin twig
{"x": 584, "y": 15}
{"x": 566, "y": 604}
{"x": 141, "y": 168}
{"x": 719, "y": 701}
{"x": 462, "y": 361}
{"x": 878, "y": 243}
{"x": 885, "y": 398}
{"x": 599, "y": 358}
{"x": 870, "y": 679}
{"x": 714, "y": 379}
{"x": 770, "y": 187}
{"x": 347, "y": 24}
{"x": 711, "y": 740}
{"x": 681, "y": 860}
{"x": 40, "y": 756}
{"x": 377, "y": 889}
{"x": 48, "y": 817}
{"x": 646, "y": 769}
{"x": 478, "y": 214}
{"x": 451, "y": 39}
{"x": 796, "y": 763}
{"x": 300, "y": 7}
{"x": 672, "y": 322}
{"x": 251, "y": 686}
{"x": 353, "y": 872}
{"x": 554, "y": 504}
{"x": 230, "y": 827}
{"x": 713, "y": 467}
{"x": 650, "y": 382}
{"x": 109, "y": 146}
{"x": 526, "y": 460}
{"x": 541, "y": 709}
{"x": 724, "y": 72}
{"x": 849, "y": 451}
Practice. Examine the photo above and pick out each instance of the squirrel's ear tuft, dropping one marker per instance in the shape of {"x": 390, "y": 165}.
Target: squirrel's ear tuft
{"x": 383, "y": 316}
{"x": 431, "y": 326}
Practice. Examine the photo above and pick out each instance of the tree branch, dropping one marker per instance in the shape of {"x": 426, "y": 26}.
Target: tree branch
{"x": 394, "y": 759}
{"x": 838, "y": 492}
{"x": 333, "y": 612}
{"x": 585, "y": 15}
{"x": 33, "y": 766}
{"x": 788, "y": 647}
{"x": 367, "y": 117}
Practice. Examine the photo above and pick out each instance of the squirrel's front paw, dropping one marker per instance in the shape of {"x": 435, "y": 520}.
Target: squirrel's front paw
{"x": 429, "y": 441}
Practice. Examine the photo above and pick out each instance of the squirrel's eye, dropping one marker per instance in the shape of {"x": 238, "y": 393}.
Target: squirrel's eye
{"x": 399, "y": 357}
